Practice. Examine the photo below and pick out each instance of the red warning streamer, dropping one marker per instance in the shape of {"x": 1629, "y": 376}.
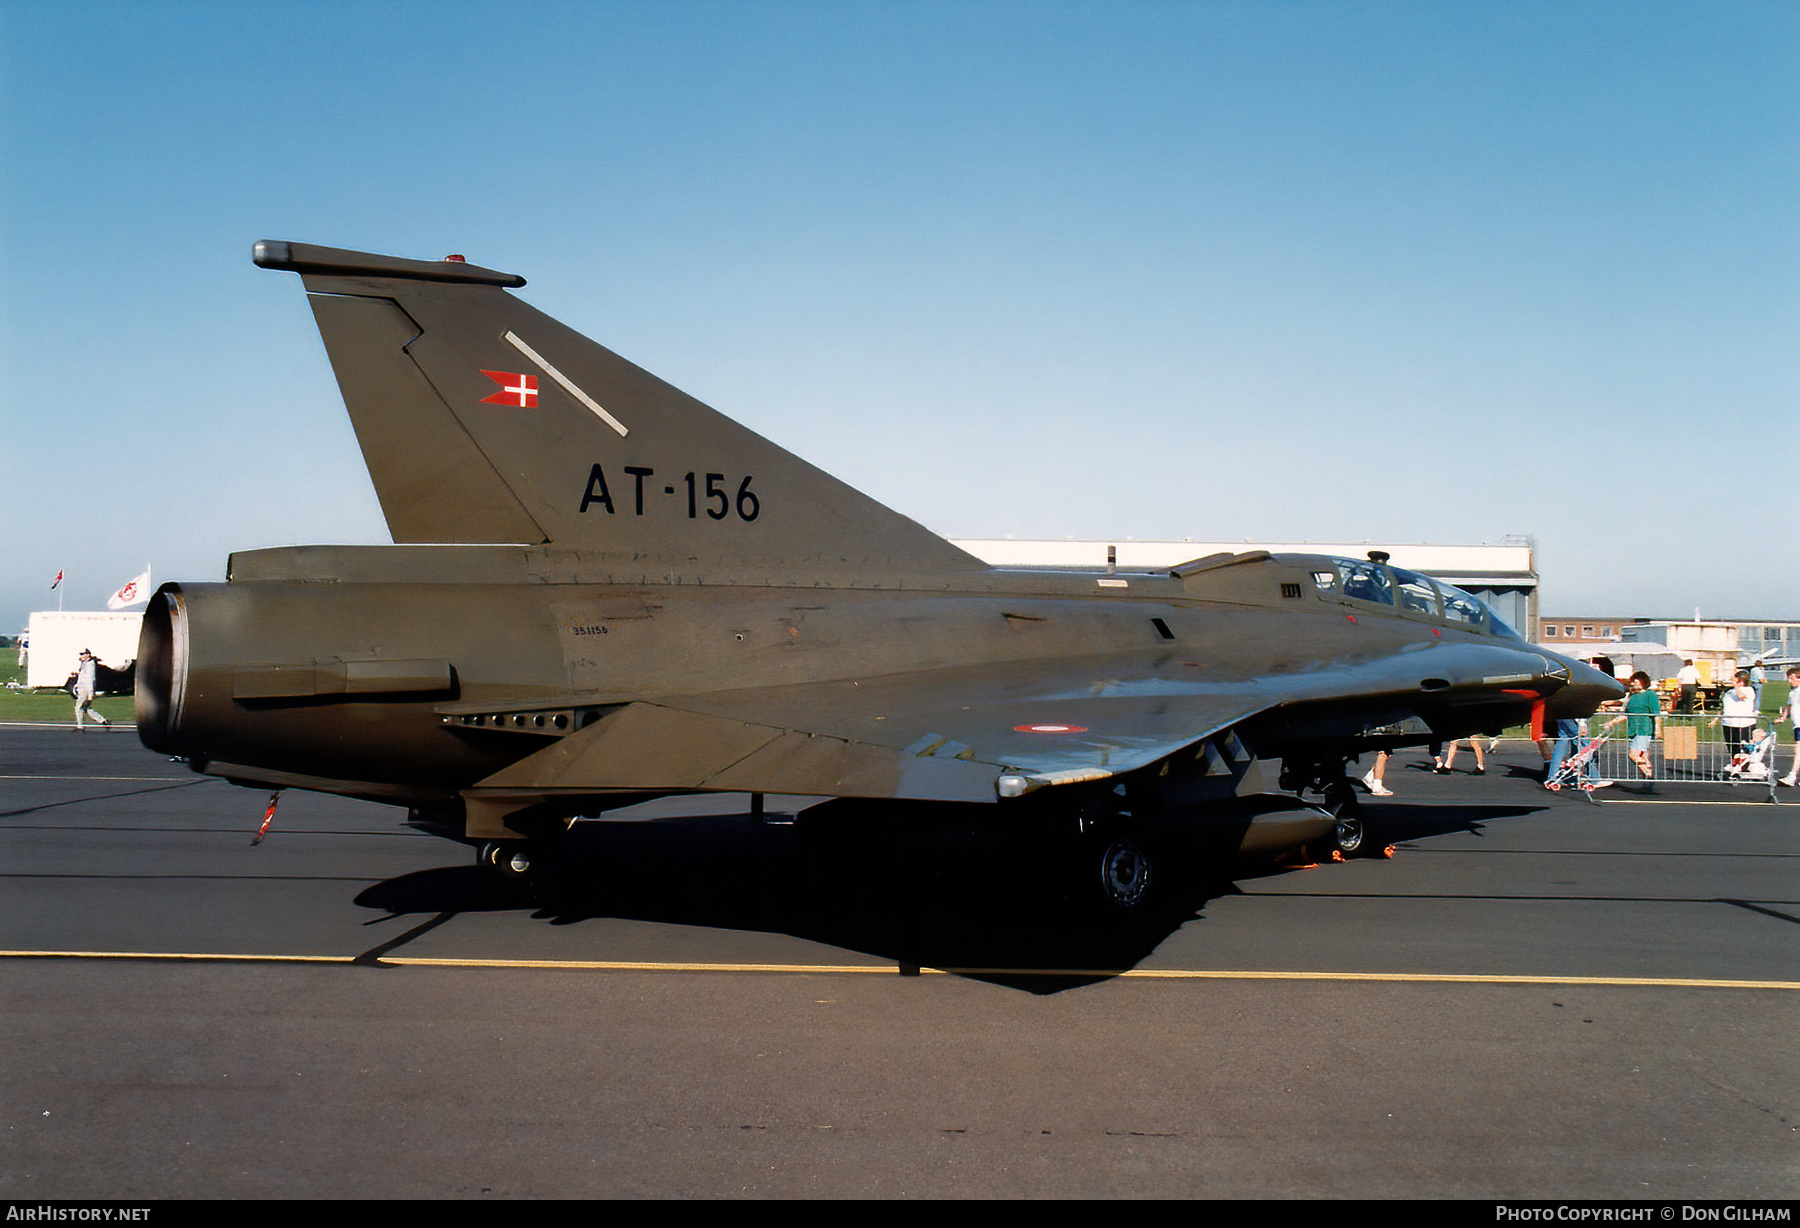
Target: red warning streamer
{"x": 268, "y": 818}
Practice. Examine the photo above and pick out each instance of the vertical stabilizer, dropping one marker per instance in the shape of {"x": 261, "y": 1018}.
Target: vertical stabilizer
{"x": 484, "y": 420}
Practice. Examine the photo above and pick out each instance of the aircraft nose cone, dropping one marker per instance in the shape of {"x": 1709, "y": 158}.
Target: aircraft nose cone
{"x": 1588, "y": 688}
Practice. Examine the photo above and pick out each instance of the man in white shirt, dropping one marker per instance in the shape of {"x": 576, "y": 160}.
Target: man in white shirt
{"x": 84, "y": 691}
{"x": 1689, "y": 678}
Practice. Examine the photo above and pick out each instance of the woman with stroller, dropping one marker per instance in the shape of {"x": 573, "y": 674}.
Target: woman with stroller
{"x": 1737, "y": 709}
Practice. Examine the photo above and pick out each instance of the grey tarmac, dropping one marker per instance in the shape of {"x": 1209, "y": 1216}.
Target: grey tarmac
{"x": 1535, "y": 998}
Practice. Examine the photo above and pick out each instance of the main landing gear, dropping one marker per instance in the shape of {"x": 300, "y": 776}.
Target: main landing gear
{"x": 508, "y": 861}
{"x": 1112, "y": 855}
{"x": 1126, "y": 871}
{"x": 534, "y": 861}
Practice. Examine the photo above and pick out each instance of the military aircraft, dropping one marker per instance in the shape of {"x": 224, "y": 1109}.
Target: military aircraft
{"x": 604, "y": 591}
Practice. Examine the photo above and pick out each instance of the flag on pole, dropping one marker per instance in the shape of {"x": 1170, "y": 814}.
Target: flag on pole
{"x": 56, "y": 581}
{"x": 133, "y": 591}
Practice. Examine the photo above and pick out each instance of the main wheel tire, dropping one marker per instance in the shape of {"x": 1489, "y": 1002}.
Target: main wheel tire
{"x": 1126, "y": 872}
{"x": 508, "y": 860}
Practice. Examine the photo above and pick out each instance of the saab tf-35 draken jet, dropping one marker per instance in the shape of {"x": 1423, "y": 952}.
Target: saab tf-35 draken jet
{"x": 604, "y": 591}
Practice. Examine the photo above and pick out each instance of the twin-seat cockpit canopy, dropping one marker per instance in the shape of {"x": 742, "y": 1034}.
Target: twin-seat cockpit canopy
{"x": 1381, "y": 584}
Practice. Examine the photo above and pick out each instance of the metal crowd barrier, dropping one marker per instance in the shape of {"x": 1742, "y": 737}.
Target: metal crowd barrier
{"x": 1694, "y": 747}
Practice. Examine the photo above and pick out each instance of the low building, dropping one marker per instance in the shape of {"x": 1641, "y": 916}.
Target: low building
{"x": 1717, "y": 646}
{"x": 58, "y": 636}
{"x": 1769, "y": 641}
{"x": 1582, "y": 631}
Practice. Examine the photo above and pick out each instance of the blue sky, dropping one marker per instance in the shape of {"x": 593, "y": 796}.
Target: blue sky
{"x": 1275, "y": 271}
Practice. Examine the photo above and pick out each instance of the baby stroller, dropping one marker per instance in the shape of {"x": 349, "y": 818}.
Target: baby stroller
{"x": 1569, "y": 772}
{"x": 1750, "y": 763}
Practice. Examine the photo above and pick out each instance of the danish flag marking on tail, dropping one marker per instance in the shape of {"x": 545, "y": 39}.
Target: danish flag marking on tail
{"x": 517, "y": 390}
{"x": 567, "y": 384}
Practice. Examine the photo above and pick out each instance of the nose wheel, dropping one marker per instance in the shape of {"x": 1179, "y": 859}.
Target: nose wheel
{"x": 1349, "y": 833}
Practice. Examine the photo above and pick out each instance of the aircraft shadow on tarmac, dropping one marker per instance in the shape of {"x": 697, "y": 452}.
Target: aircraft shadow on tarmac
{"x": 107, "y": 796}
{"x": 932, "y": 892}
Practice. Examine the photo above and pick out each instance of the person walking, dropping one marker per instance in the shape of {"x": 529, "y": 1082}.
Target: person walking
{"x": 1571, "y": 735}
{"x": 1737, "y": 710}
{"x": 84, "y": 691}
{"x": 1474, "y": 744}
{"x": 1643, "y": 713}
{"x": 1791, "y": 710}
{"x": 1372, "y": 779}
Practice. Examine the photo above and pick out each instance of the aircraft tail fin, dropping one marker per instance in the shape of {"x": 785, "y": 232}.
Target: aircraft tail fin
{"x": 484, "y": 420}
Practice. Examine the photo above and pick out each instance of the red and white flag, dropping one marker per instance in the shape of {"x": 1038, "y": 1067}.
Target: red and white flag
{"x": 56, "y": 581}
{"x": 132, "y": 592}
{"x": 516, "y": 389}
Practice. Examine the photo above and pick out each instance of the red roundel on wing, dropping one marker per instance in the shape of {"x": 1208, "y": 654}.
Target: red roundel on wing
{"x": 1049, "y": 728}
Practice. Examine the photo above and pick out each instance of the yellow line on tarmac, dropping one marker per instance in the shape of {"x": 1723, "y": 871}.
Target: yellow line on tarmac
{"x": 197, "y": 956}
{"x": 1452, "y": 978}
{"x": 1158, "y": 974}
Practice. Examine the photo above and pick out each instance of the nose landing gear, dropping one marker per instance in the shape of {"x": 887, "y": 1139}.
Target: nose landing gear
{"x": 1350, "y": 836}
